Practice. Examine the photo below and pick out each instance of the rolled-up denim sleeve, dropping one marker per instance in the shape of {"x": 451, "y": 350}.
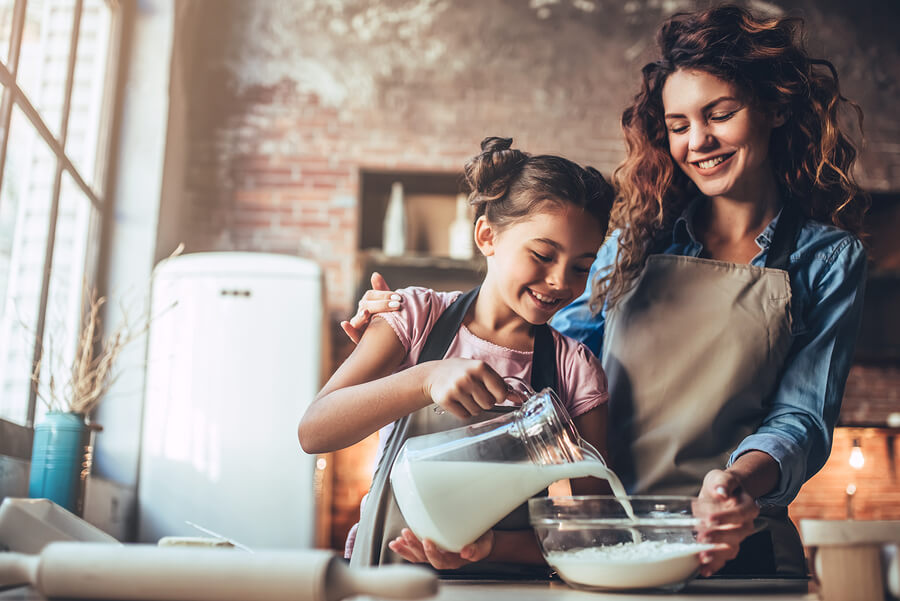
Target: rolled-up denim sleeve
{"x": 577, "y": 320}
{"x": 797, "y": 432}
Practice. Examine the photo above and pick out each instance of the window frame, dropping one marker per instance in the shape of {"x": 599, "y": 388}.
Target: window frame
{"x": 15, "y": 439}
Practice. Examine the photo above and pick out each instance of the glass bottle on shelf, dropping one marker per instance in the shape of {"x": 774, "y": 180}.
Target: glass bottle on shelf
{"x": 461, "y": 230}
{"x": 394, "y": 232}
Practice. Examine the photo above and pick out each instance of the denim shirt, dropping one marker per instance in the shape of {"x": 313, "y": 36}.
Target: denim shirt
{"x": 828, "y": 272}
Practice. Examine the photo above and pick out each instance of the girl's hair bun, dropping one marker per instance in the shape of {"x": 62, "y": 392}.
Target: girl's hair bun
{"x": 489, "y": 173}
{"x": 507, "y": 185}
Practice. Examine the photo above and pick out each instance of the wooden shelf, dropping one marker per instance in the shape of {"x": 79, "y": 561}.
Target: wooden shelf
{"x": 421, "y": 261}
{"x": 431, "y": 199}
{"x": 439, "y": 273}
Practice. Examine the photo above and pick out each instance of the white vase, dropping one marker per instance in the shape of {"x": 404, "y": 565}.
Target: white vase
{"x": 394, "y": 233}
{"x": 461, "y": 231}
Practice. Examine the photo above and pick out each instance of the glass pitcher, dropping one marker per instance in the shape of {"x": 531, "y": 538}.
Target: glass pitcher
{"x": 453, "y": 486}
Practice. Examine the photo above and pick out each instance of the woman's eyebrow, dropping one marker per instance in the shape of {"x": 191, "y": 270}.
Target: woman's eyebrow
{"x": 705, "y": 108}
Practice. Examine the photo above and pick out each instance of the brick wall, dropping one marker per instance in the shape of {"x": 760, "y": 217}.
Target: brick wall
{"x": 877, "y": 491}
{"x": 286, "y": 102}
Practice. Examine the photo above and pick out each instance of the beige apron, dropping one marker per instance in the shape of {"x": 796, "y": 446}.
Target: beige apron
{"x": 381, "y": 521}
{"x": 692, "y": 354}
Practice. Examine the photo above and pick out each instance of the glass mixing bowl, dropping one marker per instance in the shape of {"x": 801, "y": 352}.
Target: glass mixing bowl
{"x": 603, "y": 543}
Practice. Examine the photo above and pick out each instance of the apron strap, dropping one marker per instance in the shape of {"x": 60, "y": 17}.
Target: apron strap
{"x": 446, "y": 327}
{"x": 543, "y": 362}
{"x": 784, "y": 239}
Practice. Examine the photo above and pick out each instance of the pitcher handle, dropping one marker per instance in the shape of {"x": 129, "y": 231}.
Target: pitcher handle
{"x": 514, "y": 386}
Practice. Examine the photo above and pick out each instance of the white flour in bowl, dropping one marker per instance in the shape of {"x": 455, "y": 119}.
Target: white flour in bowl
{"x": 643, "y": 564}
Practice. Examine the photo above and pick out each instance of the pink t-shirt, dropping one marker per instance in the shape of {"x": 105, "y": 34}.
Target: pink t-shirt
{"x": 581, "y": 381}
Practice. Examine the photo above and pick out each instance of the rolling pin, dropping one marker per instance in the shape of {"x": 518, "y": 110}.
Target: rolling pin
{"x": 152, "y": 573}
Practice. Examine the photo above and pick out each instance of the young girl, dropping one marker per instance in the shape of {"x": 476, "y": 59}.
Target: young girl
{"x": 539, "y": 222}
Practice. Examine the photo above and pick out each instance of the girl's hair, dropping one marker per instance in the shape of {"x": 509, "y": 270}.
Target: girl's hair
{"x": 811, "y": 157}
{"x": 507, "y": 185}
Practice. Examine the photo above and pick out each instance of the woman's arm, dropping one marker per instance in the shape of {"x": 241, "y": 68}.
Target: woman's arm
{"x": 796, "y": 434}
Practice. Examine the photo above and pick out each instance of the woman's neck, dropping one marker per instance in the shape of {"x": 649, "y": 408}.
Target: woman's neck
{"x": 729, "y": 225}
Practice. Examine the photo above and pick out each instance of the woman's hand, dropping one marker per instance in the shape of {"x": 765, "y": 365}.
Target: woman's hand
{"x": 727, "y": 513}
{"x": 463, "y": 387}
{"x": 378, "y": 300}
{"x": 410, "y": 548}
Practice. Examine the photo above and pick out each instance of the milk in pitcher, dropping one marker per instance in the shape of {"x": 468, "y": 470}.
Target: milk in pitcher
{"x": 454, "y": 502}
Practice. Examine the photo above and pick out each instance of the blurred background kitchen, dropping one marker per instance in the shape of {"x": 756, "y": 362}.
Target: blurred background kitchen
{"x": 282, "y": 127}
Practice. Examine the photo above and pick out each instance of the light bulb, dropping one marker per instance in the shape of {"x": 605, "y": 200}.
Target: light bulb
{"x": 857, "y": 459}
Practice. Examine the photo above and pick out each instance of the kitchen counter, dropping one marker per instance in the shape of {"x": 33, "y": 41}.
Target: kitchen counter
{"x": 467, "y": 590}
{"x": 740, "y": 590}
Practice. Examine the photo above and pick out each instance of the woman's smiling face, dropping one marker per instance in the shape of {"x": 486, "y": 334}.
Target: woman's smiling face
{"x": 716, "y": 137}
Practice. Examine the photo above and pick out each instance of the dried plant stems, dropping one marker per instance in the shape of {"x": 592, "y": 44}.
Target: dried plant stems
{"x": 91, "y": 372}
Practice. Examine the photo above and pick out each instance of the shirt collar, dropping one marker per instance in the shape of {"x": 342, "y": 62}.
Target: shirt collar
{"x": 683, "y": 232}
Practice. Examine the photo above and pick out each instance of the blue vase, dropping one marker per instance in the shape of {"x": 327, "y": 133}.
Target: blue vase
{"x": 60, "y": 460}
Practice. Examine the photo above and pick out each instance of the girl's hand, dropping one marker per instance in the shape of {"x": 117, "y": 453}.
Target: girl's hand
{"x": 727, "y": 513}
{"x": 378, "y": 300}
{"x": 410, "y": 548}
{"x": 463, "y": 387}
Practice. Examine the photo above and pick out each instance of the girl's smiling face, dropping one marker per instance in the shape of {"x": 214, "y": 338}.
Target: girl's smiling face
{"x": 716, "y": 137}
{"x": 539, "y": 265}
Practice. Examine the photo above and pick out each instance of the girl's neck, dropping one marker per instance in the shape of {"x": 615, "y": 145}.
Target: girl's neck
{"x": 492, "y": 320}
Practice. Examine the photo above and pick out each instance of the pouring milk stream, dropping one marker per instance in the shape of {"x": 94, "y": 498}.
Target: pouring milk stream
{"x": 453, "y": 486}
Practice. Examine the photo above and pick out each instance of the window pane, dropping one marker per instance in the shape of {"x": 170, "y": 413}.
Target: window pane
{"x": 6, "y": 19}
{"x": 25, "y": 210}
{"x": 66, "y": 296}
{"x": 87, "y": 91}
{"x": 44, "y": 57}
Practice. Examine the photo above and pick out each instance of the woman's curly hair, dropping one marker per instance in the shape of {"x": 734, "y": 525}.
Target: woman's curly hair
{"x": 811, "y": 156}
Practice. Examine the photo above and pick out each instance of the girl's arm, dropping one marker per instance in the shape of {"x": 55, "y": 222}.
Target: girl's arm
{"x": 364, "y": 394}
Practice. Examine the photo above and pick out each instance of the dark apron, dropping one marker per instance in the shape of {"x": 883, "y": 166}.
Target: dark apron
{"x": 692, "y": 355}
{"x": 381, "y": 520}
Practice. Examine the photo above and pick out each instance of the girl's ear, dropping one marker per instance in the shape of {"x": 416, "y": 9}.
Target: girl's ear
{"x": 484, "y": 236}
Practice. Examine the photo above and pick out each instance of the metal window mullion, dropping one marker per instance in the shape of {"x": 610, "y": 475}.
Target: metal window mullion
{"x": 15, "y": 47}
{"x": 21, "y": 99}
{"x": 54, "y": 215}
{"x": 110, "y": 112}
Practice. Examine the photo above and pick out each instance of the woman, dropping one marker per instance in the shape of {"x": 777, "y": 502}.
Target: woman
{"x": 726, "y": 303}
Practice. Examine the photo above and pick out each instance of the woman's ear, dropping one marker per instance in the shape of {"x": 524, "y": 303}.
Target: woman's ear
{"x": 484, "y": 236}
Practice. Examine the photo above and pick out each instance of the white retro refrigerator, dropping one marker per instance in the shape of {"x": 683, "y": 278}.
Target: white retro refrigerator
{"x": 234, "y": 358}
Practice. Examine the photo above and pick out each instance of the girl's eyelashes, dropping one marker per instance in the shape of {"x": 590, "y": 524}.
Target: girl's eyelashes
{"x": 540, "y": 257}
{"x": 582, "y": 270}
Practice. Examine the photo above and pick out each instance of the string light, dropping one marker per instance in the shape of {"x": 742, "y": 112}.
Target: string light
{"x": 857, "y": 459}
